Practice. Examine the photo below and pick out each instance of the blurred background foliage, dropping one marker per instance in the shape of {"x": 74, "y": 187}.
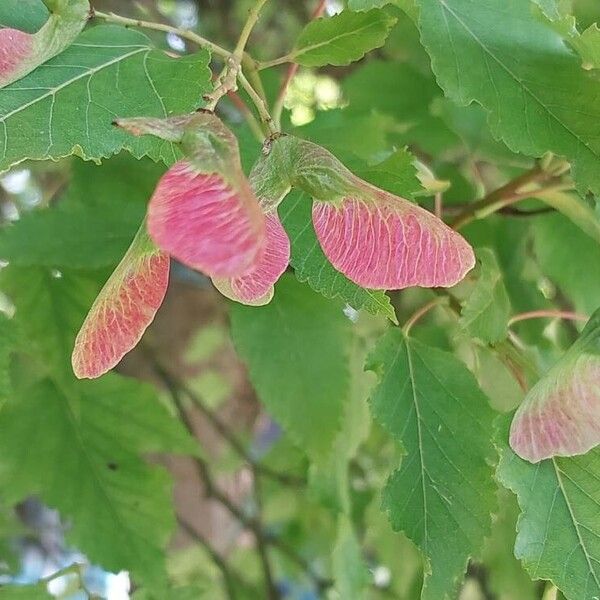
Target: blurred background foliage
{"x": 321, "y": 542}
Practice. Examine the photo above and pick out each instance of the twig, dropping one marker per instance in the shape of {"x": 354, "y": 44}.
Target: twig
{"x": 253, "y": 15}
{"x": 548, "y": 314}
{"x": 509, "y": 194}
{"x": 260, "y": 104}
{"x": 423, "y": 310}
{"x": 183, "y": 33}
{"x": 261, "y": 546}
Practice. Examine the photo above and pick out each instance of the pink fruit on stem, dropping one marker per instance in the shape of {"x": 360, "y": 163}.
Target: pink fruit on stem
{"x": 381, "y": 241}
{"x": 256, "y": 288}
{"x": 123, "y": 310}
{"x": 21, "y": 52}
{"x": 203, "y": 211}
{"x": 560, "y": 416}
{"x": 376, "y": 239}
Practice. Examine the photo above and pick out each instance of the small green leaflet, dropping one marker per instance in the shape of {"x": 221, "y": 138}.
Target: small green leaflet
{"x": 77, "y": 446}
{"x": 296, "y": 352}
{"x": 67, "y": 105}
{"x": 311, "y": 265}
{"x": 558, "y": 530}
{"x": 487, "y": 309}
{"x": 443, "y": 494}
{"x": 498, "y": 53}
{"x": 93, "y": 226}
{"x": 341, "y": 39}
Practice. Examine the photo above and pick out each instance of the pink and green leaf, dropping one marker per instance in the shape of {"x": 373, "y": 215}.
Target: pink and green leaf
{"x": 560, "y": 416}
{"x": 21, "y": 53}
{"x": 123, "y": 310}
{"x": 256, "y": 288}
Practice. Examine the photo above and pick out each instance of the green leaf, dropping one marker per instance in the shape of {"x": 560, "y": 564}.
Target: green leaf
{"x": 24, "y": 592}
{"x": 576, "y": 209}
{"x": 349, "y": 570}
{"x": 443, "y": 494}
{"x": 402, "y": 91}
{"x": 573, "y": 264}
{"x": 359, "y": 5}
{"x": 67, "y": 105}
{"x": 311, "y": 265}
{"x": 93, "y": 226}
{"x": 506, "y": 576}
{"x": 487, "y": 309}
{"x": 341, "y": 39}
{"x": 51, "y": 306}
{"x": 499, "y": 54}
{"x": 558, "y": 530}
{"x": 396, "y": 174}
{"x": 26, "y": 15}
{"x": 296, "y": 352}
{"x": 7, "y": 344}
{"x": 82, "y": 442}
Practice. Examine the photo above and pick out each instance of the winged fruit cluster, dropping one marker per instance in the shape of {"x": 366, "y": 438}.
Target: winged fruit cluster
{"x": 207, "y": 215}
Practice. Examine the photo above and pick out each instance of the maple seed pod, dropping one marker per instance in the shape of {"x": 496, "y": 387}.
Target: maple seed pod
{"x": 256, "y": 288}
{"x": 378, "y": 240}
{"x": 560, "y": 416}
{"x": 203, "y": 211}
{"x": 21, "y": 52}
{"x": 123, "y": 310}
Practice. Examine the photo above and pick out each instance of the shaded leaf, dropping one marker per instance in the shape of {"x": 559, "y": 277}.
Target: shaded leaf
{"x": 296, "y": 352}
{"x": 349, "y": 570}
{"x": 119, "y": 507}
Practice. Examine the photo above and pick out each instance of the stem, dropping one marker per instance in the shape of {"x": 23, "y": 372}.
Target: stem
{"x": 291, "y": 73}
{"x": 183, "y": 33}
{"x": 260, "y": 104}
{"x": 253, "y": 15}
{"x": 548, "y": 314}
{"x": 282, "y": 60}
{"x": 423, "y": 311}
{"x": 261, "y": 546}
{"x": 248, "y": 116}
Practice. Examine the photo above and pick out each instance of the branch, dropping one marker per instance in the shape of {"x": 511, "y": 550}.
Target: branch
{"x": 511, "y": 193}
{"x": 183, "y": 33}
{"x": 212, "y": 491}
{"x": 422, "y": 311}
